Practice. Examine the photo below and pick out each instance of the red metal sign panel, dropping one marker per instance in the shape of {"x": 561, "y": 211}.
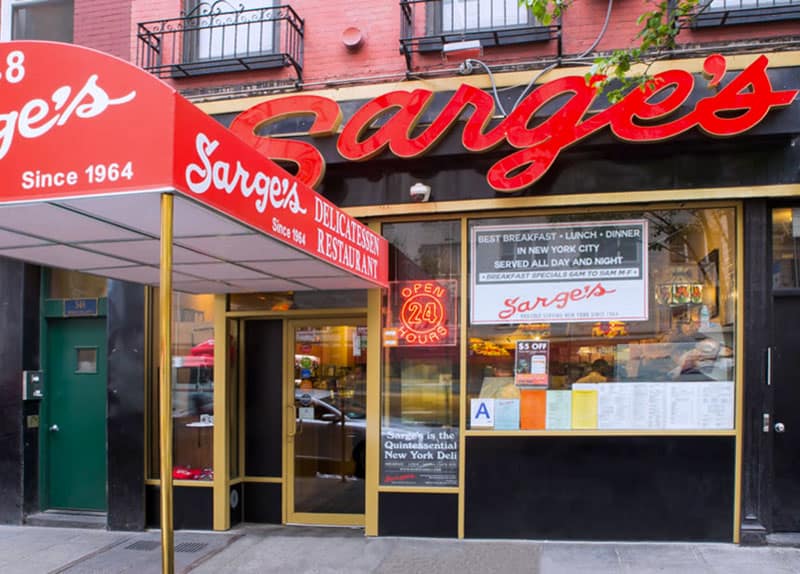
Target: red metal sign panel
{"x": 223, "y": 172}
{"x": 653, "y": 114}
{"x": 74, "y": 121}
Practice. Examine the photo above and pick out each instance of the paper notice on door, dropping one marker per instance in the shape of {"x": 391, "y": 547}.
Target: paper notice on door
{"x": 584, "y": 406}
{"x": 559, "y": 410}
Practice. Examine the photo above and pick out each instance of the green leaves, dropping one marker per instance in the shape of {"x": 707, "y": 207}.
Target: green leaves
{"x": 660, "y": 27}
{"x": 546, "y": 11}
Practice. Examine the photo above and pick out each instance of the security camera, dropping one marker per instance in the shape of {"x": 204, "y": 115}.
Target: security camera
{"x": 420, "y": 192}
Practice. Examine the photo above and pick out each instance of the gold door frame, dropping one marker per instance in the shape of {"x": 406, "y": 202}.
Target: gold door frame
{"x": 289, "y": 514}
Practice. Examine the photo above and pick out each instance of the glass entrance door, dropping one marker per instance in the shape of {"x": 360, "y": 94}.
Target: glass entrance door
{"x": 327, "y": 425}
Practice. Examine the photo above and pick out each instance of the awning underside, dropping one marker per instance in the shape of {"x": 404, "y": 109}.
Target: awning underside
{"x": 118, "y": 237}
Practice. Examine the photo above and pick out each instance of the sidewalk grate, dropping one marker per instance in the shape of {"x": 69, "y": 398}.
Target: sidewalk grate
{"x": 190, "y": 546}
{"x": 143, "y": 545}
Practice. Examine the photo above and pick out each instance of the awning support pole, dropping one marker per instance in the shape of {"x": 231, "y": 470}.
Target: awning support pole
{"x": 165, "y": 384}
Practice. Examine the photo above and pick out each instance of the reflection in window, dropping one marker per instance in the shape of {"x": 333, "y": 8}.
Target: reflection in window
{"x": 231, "y": 30}
{"x": 786, "y": 248}
{"x": 65, "y": 284}
{"x": 192, "y": 387}
{"x": 86, "y": 360}
{"x": 42, "y": 20}
{"x": 419, "y": 419}
{"x": 674, "y": 369}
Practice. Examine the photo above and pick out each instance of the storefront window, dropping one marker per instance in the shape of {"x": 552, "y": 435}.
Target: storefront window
{"x": 192, "y": 388}
{"x": 297, "y": 300}
{"x": 420, "y": 414}
{"x": 602, "y": 321}
{"x": 64, "y": 284}
{"x": 786, "y": 248}
{"x": 234, "y": 396}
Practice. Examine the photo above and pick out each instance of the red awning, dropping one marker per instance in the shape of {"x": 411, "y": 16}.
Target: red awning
{"x": 88, "y": 143}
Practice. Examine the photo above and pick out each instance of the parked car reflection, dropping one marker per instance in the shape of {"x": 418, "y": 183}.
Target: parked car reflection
{"x": 330, "y": 437}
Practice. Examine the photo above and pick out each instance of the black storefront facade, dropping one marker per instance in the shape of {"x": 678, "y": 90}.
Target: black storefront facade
{"x": 719, "y": 217}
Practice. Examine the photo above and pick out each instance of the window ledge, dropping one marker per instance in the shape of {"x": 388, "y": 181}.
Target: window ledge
{"x": 488, "y": 38}
{"x": 709, "y": 17}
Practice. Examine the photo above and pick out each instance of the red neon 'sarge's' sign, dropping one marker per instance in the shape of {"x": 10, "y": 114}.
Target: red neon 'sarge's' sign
{"x": 642, "y": 116}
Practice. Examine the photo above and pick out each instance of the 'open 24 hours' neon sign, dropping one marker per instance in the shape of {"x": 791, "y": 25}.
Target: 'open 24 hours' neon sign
{"x": 422, "y": 313}
{"x": 641, "y": 116}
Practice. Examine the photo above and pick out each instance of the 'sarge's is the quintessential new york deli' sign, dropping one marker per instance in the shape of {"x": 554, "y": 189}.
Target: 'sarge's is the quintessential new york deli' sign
{"x": 594, "y": 271}
{"x": 642, "y": 116}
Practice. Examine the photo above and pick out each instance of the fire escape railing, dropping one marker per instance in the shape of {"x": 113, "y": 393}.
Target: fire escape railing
{"x": 427, "y": 26}
{"x": 219, "y": 38}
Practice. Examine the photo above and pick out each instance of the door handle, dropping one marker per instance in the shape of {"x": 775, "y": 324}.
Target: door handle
{"x": 780, "y": 427}
{"x": 54, "y": 428}
{"x": 293, "y": 421}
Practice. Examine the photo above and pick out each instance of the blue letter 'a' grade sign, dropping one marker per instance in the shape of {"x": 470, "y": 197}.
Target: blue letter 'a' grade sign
{"x": 482, "y": 413}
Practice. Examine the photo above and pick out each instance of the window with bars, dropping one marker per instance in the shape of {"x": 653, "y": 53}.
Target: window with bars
{"x": 37, "y": 20}
{"x": 730, "y": 12}
{"x": 474, "y": 15}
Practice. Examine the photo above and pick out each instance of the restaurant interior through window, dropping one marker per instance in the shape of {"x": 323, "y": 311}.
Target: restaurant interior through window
{"x": 618, "y": 321}
{"x": 606, "y": 320}
{"x": 192, "y": 388}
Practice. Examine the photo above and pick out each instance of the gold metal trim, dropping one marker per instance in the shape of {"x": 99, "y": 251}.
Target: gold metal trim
{"x": 462, "y": 391}
{"x": 291, "y": 516}
{"x": 165, "y": 387}
{"x": 600, "y": 433}
{"x": 578, "y": 200}
{"x": 308, "y": 519}
{"x": 147, "y": 357}
{"x": 287, "y": 483}
{"x": 262, "y": 479}
{"x": 193, "y": 483}
{"x": 422, "y": 490}
{"x": 221, "y": 460}
{"x": 240, "y": 327}
{"x": 178, "y": 482}
{"x": 739, "y": 412}
{"x": 368, "y": 91}
{"x": 372, "y": 478}
{"x": 295, "y": 314}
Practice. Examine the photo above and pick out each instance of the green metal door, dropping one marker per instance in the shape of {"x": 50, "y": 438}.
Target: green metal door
{"x": 75, "y": 431}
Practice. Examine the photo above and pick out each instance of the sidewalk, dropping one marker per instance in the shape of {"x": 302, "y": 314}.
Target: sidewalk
{"x": 299, "y": 550}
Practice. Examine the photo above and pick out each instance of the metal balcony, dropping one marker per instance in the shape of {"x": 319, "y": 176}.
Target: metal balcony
{"x": 732, "y": 12}
{"x": 428, "y": 26}
{"x": 220, "y": 38}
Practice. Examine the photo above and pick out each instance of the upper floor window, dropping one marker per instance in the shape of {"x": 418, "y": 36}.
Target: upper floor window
{"x": 471, "y": 15}
{"x": 728, "y": 12}
{"x": 37, "y": 20}
{"x": 224, "y": 30}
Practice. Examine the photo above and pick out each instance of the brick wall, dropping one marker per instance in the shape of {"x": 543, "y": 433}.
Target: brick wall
{"x": 104, "y": 25}
{"x": 111, "y": 26}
